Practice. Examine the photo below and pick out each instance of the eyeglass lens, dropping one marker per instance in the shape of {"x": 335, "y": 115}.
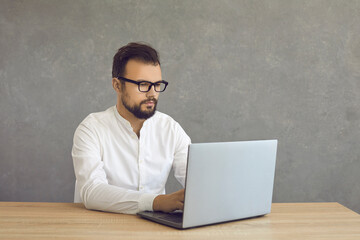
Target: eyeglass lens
{"x": 145, "y": 87}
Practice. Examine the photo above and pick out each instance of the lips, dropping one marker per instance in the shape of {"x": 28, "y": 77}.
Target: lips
{"x": 149, "y": 102}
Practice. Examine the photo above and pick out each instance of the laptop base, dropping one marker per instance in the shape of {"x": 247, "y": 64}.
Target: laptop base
{"x": 174, "y": 219}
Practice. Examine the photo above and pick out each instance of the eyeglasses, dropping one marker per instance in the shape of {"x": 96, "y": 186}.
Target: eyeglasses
{"x": 145, "y": 86}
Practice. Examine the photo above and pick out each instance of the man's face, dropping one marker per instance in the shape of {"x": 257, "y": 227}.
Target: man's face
{"x": 141, "y": 104}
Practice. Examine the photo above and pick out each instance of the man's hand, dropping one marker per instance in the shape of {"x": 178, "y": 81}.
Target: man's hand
{"x": 169, "y": 202}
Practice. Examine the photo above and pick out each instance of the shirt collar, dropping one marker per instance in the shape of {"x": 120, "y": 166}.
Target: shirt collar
{"x": 122, "y": 120}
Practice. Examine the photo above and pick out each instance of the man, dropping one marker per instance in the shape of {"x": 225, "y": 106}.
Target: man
{"x": 122, "y": 156}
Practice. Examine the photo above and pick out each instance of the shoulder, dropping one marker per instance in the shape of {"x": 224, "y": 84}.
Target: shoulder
{"x": 98, "y": 119}
{"x": 164, "y": 120}
{"x": 170, "y": 128}
{"x": 167, "y": 123}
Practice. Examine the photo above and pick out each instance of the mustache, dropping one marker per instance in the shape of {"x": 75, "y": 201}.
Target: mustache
{"x": 148, "y": 100}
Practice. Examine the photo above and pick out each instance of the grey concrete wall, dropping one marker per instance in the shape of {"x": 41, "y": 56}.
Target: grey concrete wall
{"x": 238, "y": 70}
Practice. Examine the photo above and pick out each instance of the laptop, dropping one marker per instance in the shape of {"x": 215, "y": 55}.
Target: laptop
{"x": 225, "y": 181}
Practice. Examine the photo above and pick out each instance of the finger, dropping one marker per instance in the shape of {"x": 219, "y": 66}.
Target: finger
{"x": 181, "y": 193}
{"x": 180, "y": 206}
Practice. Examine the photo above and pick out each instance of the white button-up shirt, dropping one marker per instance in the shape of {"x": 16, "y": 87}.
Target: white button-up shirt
{"x": 118, "y": 172}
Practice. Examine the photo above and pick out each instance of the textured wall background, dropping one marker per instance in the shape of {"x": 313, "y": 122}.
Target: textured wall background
{"x": 238, "y": 70}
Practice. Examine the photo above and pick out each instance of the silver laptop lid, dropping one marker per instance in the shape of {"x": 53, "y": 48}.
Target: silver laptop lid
{"x": 229, "y": 180}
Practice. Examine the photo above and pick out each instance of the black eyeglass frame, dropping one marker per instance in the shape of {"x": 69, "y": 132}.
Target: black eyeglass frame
{"x": 144, "y": 81}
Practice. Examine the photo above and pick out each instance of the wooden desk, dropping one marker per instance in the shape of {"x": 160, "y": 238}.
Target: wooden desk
{"x": 72, "y": 221}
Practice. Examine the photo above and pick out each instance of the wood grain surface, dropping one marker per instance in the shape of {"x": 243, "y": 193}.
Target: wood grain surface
{"x": 26, "y": 220}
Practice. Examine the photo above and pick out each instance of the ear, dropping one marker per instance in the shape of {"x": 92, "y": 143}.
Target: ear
{"x": 116, "y": 84}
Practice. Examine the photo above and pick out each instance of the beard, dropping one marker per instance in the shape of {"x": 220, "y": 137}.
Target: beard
{"x": 136, "y": 109}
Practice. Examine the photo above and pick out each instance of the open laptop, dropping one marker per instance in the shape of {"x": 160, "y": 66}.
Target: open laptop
{"x": 225, "y": 181}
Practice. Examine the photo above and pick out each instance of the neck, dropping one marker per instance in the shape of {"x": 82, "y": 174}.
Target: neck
{"x": 135, "y": 122}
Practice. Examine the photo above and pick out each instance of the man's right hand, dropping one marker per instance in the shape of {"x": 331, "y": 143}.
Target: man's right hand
{"x": 169, "y": 202}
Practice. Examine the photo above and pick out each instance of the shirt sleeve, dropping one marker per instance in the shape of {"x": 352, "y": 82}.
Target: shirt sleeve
{"x": 91, "y": 181}
{"x": 180, "y": 156}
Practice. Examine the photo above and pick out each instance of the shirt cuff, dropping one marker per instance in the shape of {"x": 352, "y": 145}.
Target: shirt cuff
{"x": 146, "y": 201}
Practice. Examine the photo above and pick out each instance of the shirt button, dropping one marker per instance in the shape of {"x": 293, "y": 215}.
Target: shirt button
{"x": 141, "y": 187}
{"x": 141, "y": 161}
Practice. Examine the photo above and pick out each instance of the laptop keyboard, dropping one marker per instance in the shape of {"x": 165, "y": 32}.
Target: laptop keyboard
{"x": 173, "y": 217}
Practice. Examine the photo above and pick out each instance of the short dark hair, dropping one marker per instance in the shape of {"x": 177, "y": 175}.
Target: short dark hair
{"x": 134, "y": 50}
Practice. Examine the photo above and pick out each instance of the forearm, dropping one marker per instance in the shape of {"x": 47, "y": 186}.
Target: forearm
{"x": 105, "y": 197}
